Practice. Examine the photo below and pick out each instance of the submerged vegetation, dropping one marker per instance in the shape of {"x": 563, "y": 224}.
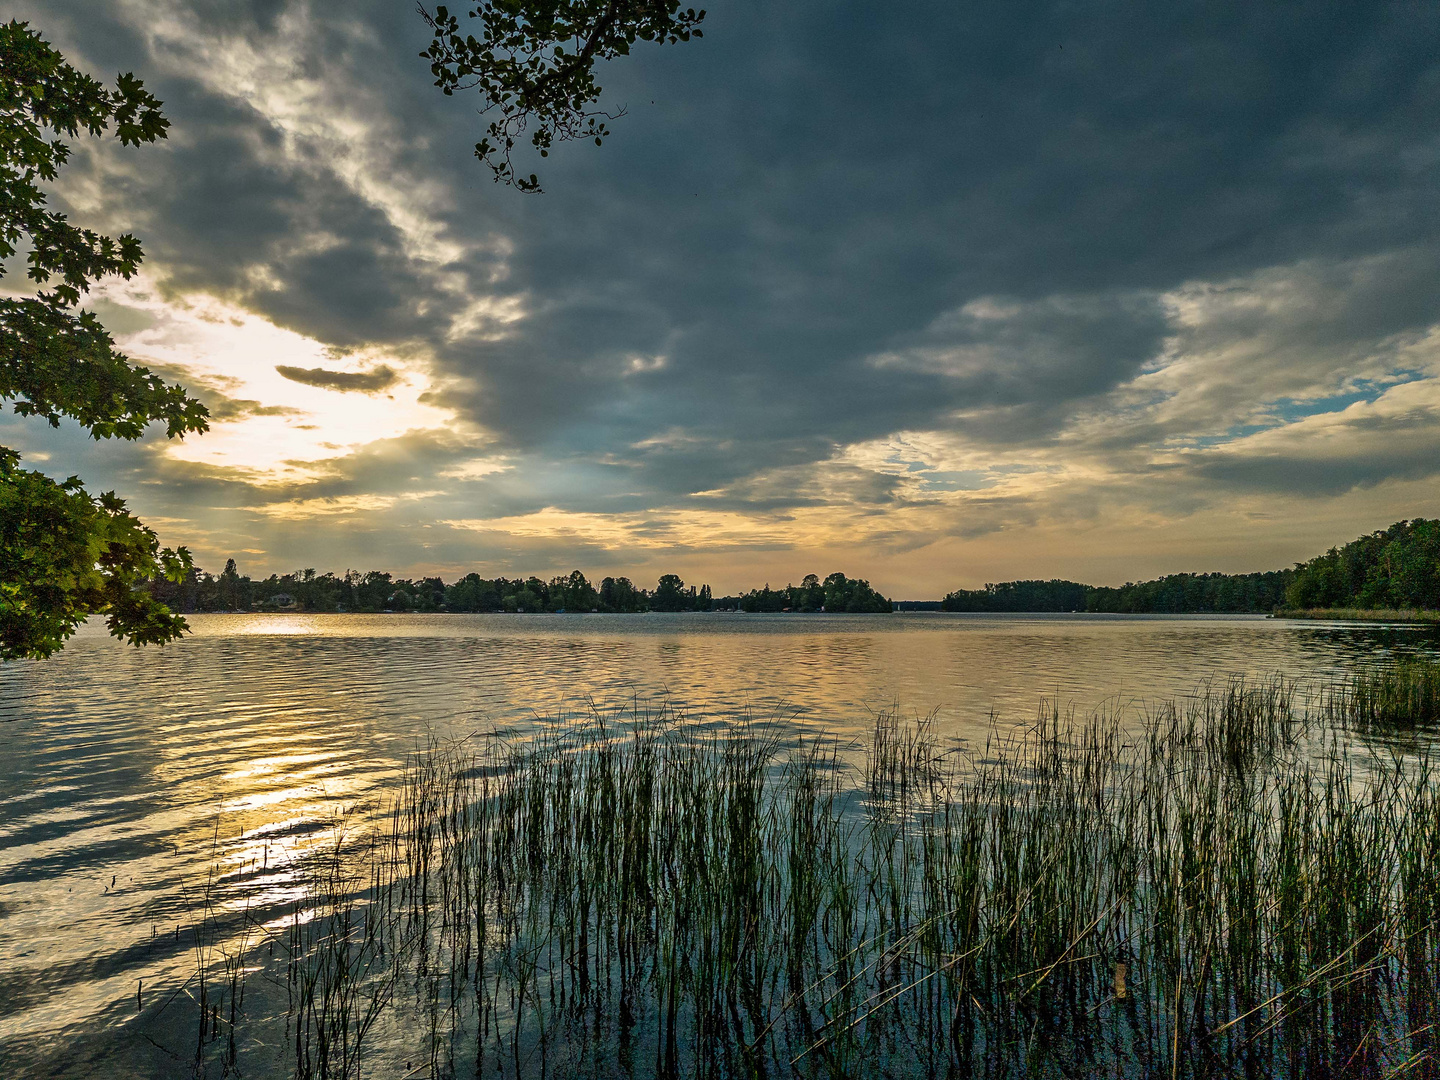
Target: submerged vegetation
{"x": 1230, "y": 884}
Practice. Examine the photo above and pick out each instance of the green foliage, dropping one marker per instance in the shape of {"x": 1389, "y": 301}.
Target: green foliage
{"x": 58, "y": 363}
{"x": 765, "y": 600}
{"x": 305, "y": 590}
{"x": 1176, "y": 593}
{"x": 1053, "y": 595}
{"x": 1172, "y": 594}
{"x": 40, "y": 92}
{"x": 533, "y": 62}
{"x": 853, "y": 595}
{"x": 620, "y": 594}
{"x": 65, "y": 554}
{"x": 574, "y": 593}
{"x": 1395, "y": 568}
{"x": 69, "y": 554}
{"x": 836, "y": 593}
{"x": 670, "y": 595}
{"x": 1398, "y": 567}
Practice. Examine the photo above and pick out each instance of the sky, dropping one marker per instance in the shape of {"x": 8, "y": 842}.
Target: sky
{"x": 930, "y": 294}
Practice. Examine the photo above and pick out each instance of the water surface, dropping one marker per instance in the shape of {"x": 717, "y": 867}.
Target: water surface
{"x": 128, "y": 774}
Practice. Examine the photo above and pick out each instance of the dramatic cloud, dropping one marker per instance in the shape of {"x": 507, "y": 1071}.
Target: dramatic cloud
{"x": 925, "y": 293}
{"x": 365, "y": 382}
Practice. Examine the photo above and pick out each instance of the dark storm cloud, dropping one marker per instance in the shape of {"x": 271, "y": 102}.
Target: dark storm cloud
{"x": 284, "y": 237}
{"x": 1302, "y": 475}
{"x": 373, "y": 381}
{"x": 822, "y": 224}
{"x": 1022, "y": 365}
{"x": 847, "y": 177}
{"x": 234, "y": 203}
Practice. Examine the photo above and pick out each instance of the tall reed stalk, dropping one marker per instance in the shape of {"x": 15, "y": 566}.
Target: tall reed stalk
{"x": 1224, "y": 886}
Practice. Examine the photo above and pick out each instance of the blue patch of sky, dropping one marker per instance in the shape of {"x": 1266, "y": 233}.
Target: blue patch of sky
{"x": 962, "y": 480}
{"x": 1239, "y": 431}
{"x": 1289, "y": 410}
{"x": 933, "y": 479}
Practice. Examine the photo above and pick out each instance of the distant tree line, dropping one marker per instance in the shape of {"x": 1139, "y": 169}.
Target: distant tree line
{"x": 1398, "y": 567}
{"x": 835, "y": 593}
{"x": 1053, "y": 595}
{"x": 1172, "y": 594}
{"x": 376, "y": 590}
{"x": 1175, "y": 593}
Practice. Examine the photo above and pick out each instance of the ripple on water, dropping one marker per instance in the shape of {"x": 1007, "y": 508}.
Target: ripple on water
{"x": 129, "y": 774}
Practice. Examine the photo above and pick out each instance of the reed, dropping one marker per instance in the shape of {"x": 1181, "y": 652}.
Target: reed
{"x": 1228, "y": 884}
{"x": 1403, "y": 694}
{"x": 221, "y": 942}
{"x": 338, "y": 980}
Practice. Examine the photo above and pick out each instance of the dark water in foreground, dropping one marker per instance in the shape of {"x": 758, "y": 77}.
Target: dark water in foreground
{"x": 126, "y": 775}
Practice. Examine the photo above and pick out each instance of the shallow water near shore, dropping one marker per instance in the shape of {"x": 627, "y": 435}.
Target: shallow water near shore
{"x": 128, "y": 774}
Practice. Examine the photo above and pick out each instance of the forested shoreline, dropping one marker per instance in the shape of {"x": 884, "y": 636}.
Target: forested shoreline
{"x": 1395, "y": 569}
{"x": 377, "y": 590}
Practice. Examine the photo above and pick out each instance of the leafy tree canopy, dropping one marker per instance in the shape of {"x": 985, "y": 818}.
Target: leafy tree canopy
{"x": 533, "y": 63}
{"x": 669, "y": 594}
{"x": 836, "y": 593}
{"x": 65, "y": 554}
{"x": 1398, "y": 567}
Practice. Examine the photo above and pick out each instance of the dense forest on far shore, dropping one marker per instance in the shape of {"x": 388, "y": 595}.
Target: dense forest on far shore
{"x": 305, "y": 590}
{"x": 1395, "y": 568}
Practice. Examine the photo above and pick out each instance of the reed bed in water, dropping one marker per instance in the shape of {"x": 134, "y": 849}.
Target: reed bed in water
{"x": 1403, "y": 694}
{"x": 1219, "y": 888}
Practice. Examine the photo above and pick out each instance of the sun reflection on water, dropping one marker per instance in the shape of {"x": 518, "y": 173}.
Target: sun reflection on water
{"x": 276, "y": 624}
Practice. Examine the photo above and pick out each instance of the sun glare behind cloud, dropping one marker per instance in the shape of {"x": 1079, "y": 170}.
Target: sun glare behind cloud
{"x": 273, "y": 427}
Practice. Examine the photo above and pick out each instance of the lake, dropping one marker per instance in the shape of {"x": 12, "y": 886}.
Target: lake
{"x": 128, "y": 774}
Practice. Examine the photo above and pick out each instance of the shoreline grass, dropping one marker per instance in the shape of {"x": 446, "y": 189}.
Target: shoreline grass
{"x": 1226, "y": 886}
{"x": 1412, "y": 615}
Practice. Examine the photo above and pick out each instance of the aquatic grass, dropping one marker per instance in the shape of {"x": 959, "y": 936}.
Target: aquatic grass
{"x": 338, "y": 979}
{"x": 1402, "y": 694}
{"x": 334, "y": 978}
{"x": 1226, "y": 884}
{"x": 223, "y": 939}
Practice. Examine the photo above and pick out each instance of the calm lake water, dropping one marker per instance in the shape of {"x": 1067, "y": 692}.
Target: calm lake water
{"x": 127, "y": 775}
